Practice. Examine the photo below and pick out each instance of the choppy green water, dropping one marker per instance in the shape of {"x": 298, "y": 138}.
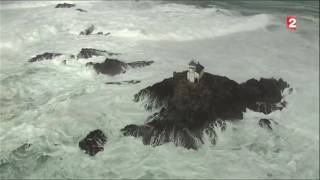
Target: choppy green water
{"x": 46, "y": 108}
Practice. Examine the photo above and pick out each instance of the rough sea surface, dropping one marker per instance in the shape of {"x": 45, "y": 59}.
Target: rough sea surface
{"x": 47, "y": 107}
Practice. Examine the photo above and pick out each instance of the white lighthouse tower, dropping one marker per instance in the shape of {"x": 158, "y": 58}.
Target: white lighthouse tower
{"x": 195, "y": 71}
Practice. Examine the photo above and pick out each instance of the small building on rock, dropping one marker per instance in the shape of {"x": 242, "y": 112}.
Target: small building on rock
{"x": 195, "y": 71}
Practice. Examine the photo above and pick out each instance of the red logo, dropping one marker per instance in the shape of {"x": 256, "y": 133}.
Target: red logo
{"x": 292, "y": 23}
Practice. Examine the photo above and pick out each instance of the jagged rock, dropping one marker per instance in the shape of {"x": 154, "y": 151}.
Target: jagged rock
{"x": 265, "y": 123}
{"x": 210, "y": 130}
{"x": 81, "y": 10}
{"x": 265, "y": 95}
{"x": 86, "y": 53}
{"x": 93, "y": 142}
{"x": 101, "y": 33}
{"x": 49, "y": 56}
{"x": 189, "y": 108}
{"x": 64, "y": 5}
{"x": 125, "y": 82}
{"x": 114, "y": 66}
{"x": 109, "y": 66}
{"x": 44, "y": 56}
{"x": 88, "y": 31}
{"x": 157, "y": 94}
{"x": 160, "y": 130}
{"x": 139, "y": 64}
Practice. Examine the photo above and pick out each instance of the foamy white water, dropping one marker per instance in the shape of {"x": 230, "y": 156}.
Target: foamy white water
{"x": 52, "y": 105}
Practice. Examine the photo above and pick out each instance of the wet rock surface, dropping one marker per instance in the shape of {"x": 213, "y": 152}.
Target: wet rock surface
{"x": 101, "y": 33}
{"x": 81, "y": 10}
{"x": 139, "y": 64}
{"x": 86, "y": 53}
{"x": 124, "y": 82}
{"x": 187, "y": 109}
{"x": 93, "y": 142}
{"x": 87, "y": 31}
{"x": 114, "y": 66}
{"x": 44, "y": 56}
{"x": 91, "y": 29}
{"x": 109, "y": 66}
{"x": 64, "y": 5}
{"x": 265, "y": 123}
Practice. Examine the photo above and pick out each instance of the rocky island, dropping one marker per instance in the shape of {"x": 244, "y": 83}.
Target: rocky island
{"x": 114, "y": 66}
{"x": 192, "y": 102}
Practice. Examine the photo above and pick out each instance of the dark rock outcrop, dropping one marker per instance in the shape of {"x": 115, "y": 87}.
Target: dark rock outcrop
{"x": 64, "y": 5}
{"x": 109, "y": 66}
{"x": 138, "y": 64}
{"x": 265, "y": 123}
{"x": 86, "y": 53}
{"x": 81, "y": 10}
{"x": 125, "y": 82}
{"x": 187, "y": 109}
{"x": 44, "y": 56}
{"x": 114, "y": 66}
{"x": 210, "y": 130}
{"x": 93, "y": 142}
{"x": 90, "y": 29}
{"x": 87, "y": 31}
{"x": 50, "y": 56}
{"x": 101, "y": 33}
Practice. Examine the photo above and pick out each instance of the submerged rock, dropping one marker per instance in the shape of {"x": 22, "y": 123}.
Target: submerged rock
{"x": 265, "y": 123}
{"x": 50, "y": 56}
{"x": 125, "y": 82}
{"x": 87, "y": 31}
{"x": 114, "y": 66}
{"x": 101, "y": 33}
{"x": 187, "y": 109}
{"x": 109, "y": 66}
{"x": 86, "y": 53}
{"x": 139, "y": 64}
{"x": 81, "y": 10}
{"x": 93, "y": 142}
{"x": 64, "y": 5}
{"x": 44, "y": 56}
{"x": 90, "y": 29}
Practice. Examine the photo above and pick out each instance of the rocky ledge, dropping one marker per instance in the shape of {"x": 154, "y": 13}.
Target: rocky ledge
{"x": 81, "y": 10}
{"x": 46, "y": 56}
{"x": 114, "y": 66}
{"x": 93, "y": 142}
{"x": 86, "y": 53}
{"x": 90, "y": 29}
{"x": 188, "y": 110}
{"x": 124, "y": 82}
{"x": 64, "y": 5}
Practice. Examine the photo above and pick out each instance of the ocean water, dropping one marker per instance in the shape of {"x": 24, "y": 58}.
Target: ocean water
{"x": 47, "y": 107}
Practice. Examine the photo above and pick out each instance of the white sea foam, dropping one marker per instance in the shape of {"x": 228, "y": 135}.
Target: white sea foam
{"x": 52, "y": 105}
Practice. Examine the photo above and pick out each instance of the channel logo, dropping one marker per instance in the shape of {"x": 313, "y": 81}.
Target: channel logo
{"x": 291, "y": 23}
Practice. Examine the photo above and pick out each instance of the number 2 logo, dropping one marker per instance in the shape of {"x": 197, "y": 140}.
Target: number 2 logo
{"x": 291, "y": 22}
